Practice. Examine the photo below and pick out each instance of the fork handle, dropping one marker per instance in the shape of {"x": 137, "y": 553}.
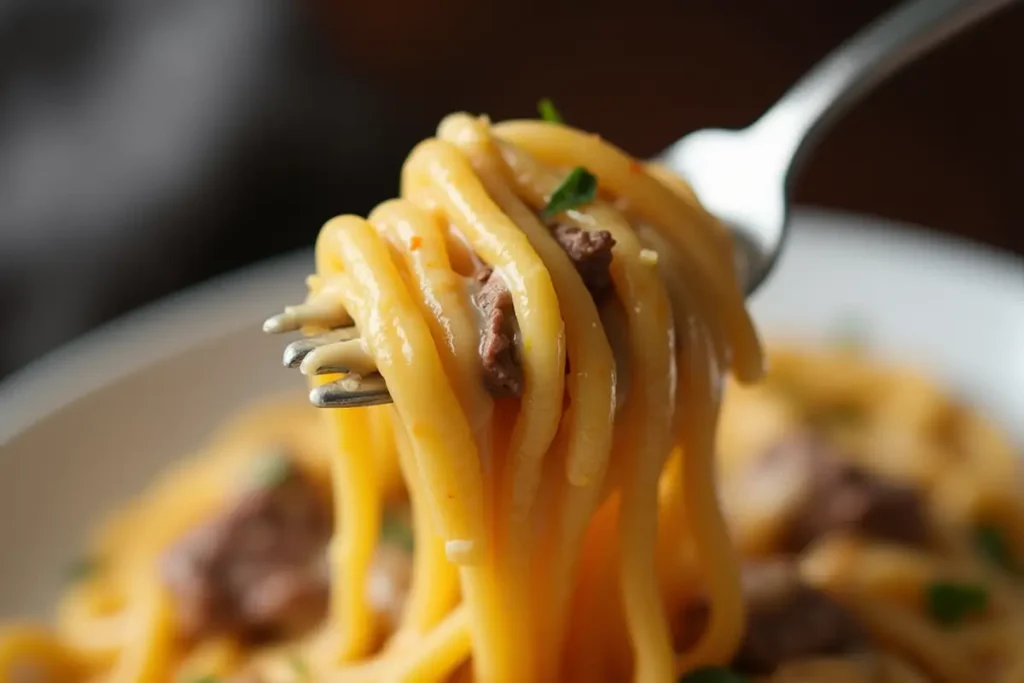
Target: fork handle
{"x": 858, "y": 65}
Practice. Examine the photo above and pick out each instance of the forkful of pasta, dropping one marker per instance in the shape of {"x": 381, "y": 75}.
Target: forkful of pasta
{"x": 552, "y": 183}
{"x": 336, "y": 350}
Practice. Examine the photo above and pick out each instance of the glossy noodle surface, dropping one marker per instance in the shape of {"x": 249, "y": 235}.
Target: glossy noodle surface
{"x": 576, "y": 479}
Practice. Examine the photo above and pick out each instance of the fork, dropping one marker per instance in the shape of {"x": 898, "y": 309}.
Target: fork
{"x": 743, "y": 177}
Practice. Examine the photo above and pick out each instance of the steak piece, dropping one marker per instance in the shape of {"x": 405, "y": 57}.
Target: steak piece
{"x": 257, "y": 569}
{"x": 833, "y": 494}
{"x": 502, "y": 374}
{"x": 786, "y": 620}
{"x": 591, "y": 253}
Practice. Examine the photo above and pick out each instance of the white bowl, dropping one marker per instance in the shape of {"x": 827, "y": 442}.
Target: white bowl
{"x": 88, "y": 426}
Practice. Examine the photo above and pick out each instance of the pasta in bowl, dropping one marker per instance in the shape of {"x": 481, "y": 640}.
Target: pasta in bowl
{"x": 878, "y": 522}
{"x": 540, "y": 502}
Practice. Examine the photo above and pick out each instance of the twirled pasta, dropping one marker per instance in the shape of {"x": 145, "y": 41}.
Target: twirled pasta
{"x": 489, "y": 191}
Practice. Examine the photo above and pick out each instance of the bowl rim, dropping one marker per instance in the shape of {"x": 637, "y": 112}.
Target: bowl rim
{"x": 160, "y": 329}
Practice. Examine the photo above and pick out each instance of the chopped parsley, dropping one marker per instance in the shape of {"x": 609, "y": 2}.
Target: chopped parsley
{"x": 549, "y": 112}
{"x": 713, "y": 674}
{"x": 83, "y": 568}
{"x": 992, "y": 545}
{"x": 578, "y": 188}
{"x": 950, "y": 603}
{"x": 396, "y": 531}
{"x": 272, "y": 469}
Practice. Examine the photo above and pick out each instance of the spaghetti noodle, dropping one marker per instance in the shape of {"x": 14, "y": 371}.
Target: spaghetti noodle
{"x": 553, "y": 320}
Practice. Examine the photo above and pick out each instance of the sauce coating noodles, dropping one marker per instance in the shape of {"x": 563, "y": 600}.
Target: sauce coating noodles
{"x": 539, "y": 501}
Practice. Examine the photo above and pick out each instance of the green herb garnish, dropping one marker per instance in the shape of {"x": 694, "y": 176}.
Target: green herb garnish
{"x": 991, "y": 543}
{"x": 397, "y": 532}
{"x": 949, "y": 602}
{"x": 549, "y": 112}
{"x": 83, "y": 568}
{"x": 713, "y": 674}
{"x": 578, "y": 188}
{"x": 299, "y": 666}
{"x": 272, "y": 470}
{"x": 205, "y": 679}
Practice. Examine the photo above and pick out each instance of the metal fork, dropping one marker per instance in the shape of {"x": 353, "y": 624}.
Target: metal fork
{"x": 743, "y": 177}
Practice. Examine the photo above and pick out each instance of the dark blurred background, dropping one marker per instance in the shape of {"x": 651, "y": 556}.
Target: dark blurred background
{"x": 146, "y": 145}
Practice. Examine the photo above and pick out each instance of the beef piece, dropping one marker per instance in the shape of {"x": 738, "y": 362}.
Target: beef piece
{"x": 837, "y": 495}
{"x": 502, "y": 374}
{"x": 788, "y": 619}
{"x": 259, "y": 568}
{"x": 591, "y": 253}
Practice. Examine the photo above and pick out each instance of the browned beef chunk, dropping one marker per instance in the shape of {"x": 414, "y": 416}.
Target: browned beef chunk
{"x": 591, "y": 253}
{"x": 787, "y": 619}
{"x": 258, "y": 569}
{"x": 837, "y": 495}
{"x": 502, "y": 374}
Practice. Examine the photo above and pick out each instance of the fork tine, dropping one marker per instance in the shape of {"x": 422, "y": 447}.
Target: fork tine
{"x": 348, "y": 356}
{"x": 288, "y": 321}
{"x": 328, "y": 314}
{"x": 351, "y": 392}
{"x": 295, "y": 352}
